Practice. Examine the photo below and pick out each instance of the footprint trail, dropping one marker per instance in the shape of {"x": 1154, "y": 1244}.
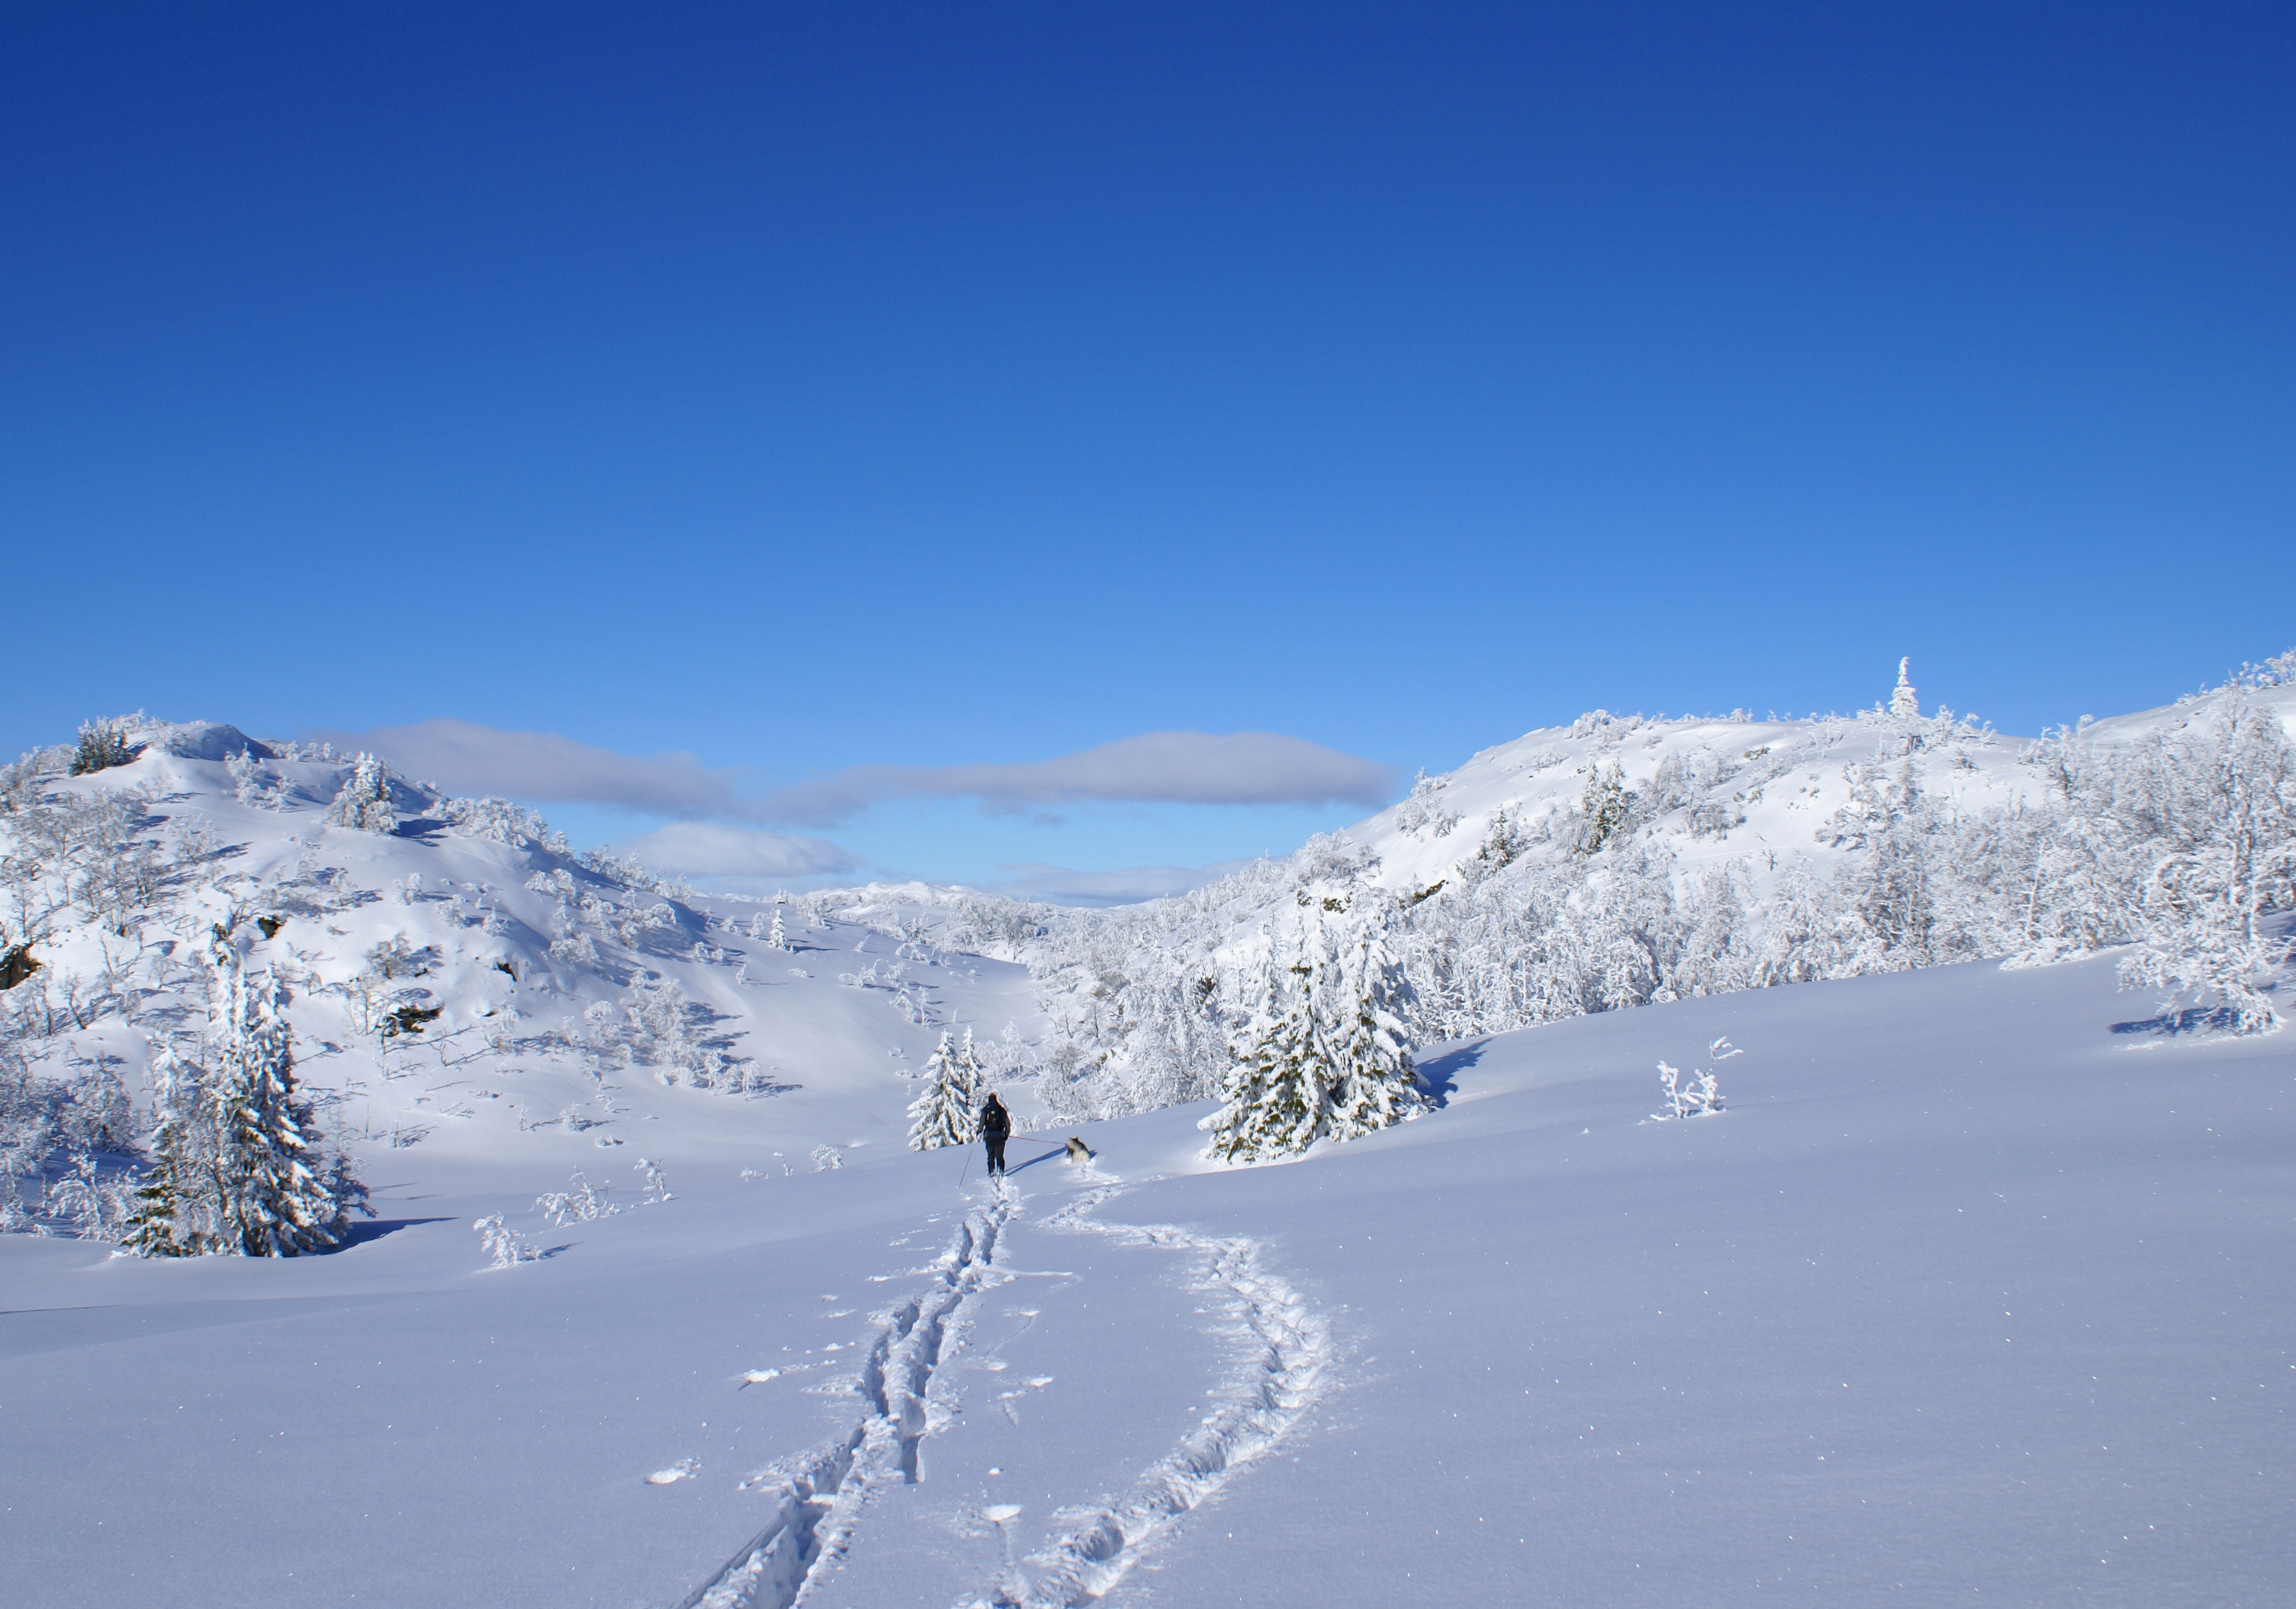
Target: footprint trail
{"x": 1279, "y": 1375}
{"x": 820, "y": 1496}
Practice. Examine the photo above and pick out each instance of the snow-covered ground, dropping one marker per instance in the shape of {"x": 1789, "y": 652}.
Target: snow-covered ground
{"x": 1974, "y": 1293}
{"x": 1976, "y": 1290}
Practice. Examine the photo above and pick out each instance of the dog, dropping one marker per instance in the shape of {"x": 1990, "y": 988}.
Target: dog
{"x": 1079, "y": 1152}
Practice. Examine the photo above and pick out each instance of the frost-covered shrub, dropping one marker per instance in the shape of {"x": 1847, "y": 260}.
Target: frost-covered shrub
{"x": 1423, "y": 813}
{"x": 248, "y": 781}
{"x": 66, "y": 1150}
{"x": 582, "y": 1204}
{"x": 497, "y": 821}
{"x": 2217, "y": 878}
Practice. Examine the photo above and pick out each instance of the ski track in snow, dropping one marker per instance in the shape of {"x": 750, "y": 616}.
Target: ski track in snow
{"x": 1283, "y": 1370}
{"x": 820, "y": 1496}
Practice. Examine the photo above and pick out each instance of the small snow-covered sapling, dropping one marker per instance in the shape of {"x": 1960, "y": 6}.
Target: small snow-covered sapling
{"x": 502, "y": 1245}
{"x": 1701, "y": 1095}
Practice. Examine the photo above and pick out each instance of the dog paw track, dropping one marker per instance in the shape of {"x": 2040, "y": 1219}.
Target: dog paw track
{"x": 819, "y": 1496}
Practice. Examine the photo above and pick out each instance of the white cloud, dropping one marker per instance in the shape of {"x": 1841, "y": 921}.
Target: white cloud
{"x": 1156, "y": 767}
{"x": 701, "y": 848}
{"x": 463, "y": 756}
{"x": 1128, "y": 885}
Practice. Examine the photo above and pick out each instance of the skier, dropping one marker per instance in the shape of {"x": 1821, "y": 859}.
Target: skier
{"x": 995, "y": 1124}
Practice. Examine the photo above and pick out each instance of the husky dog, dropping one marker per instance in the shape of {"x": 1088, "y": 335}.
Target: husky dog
{"x": 1079, "y": 1152}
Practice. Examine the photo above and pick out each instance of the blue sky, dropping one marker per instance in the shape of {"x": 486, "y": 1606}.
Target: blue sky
{"x": 922, "y": 388}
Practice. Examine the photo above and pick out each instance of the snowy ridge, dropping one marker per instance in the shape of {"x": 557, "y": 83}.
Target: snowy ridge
{"x": 1621, "y": 862}
{"x": 819, "y": 1499}
{"x": 1281, "y": 1374}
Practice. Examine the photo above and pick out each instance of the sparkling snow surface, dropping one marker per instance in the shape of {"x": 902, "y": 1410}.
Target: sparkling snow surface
{"x": 1974, "y": 1294}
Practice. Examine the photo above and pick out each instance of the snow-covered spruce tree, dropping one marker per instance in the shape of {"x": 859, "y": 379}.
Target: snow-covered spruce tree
{"x": 102, "y": 744}
{"x": 942, "y": 1115}
{"x": 1424, "y": 811}
{"x": 1324, "y": 1056}
{"x": 247, "y": 779}
{"x": 365, "y": 800}
{"x": 1903, "y": 701}
{"x": 779, "y": 938}
{"x": 1605, "y": 808}
{"x": 1370, "y": 1082}
{"x": 1270, "y": 1103}
{"x": 273, "y": 1192}
{"x": 173, "y": 1215}
{"x": 237, "y": 1166}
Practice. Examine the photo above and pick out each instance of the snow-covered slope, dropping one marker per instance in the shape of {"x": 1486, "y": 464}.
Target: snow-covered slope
{"x": 1971, "y": 1293}
{"x": 1760, "y": 793}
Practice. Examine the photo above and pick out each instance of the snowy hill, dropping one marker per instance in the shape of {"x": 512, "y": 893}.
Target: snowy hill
{"x": 1716, "y": 791}
{"x": 464, "y": 981}
{"x": 1621, "y": 862}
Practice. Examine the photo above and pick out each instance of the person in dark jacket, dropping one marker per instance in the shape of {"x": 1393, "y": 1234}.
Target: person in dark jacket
{"x": 995, "y": 1125}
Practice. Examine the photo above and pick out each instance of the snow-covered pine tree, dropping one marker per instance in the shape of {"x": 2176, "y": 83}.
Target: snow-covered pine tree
{"x": 365, "y": 800}
{"x": 236, "y": 1166}
{"x": 779, "y": 938}
{"x": 272, "y": 1196}
{"x": 102, "y": 744}
{"x": 1604, "y": 807}
{"x": 1322, "y": 1057}
{"x": 943, "y": 1115}
{"x": 170, "y": 1216}
{"x": 1369, "y": 1080}
{"x": 1271, "y": 1105}
{"x": 247, "y": 782}
{"x": 1903, "y": 701}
